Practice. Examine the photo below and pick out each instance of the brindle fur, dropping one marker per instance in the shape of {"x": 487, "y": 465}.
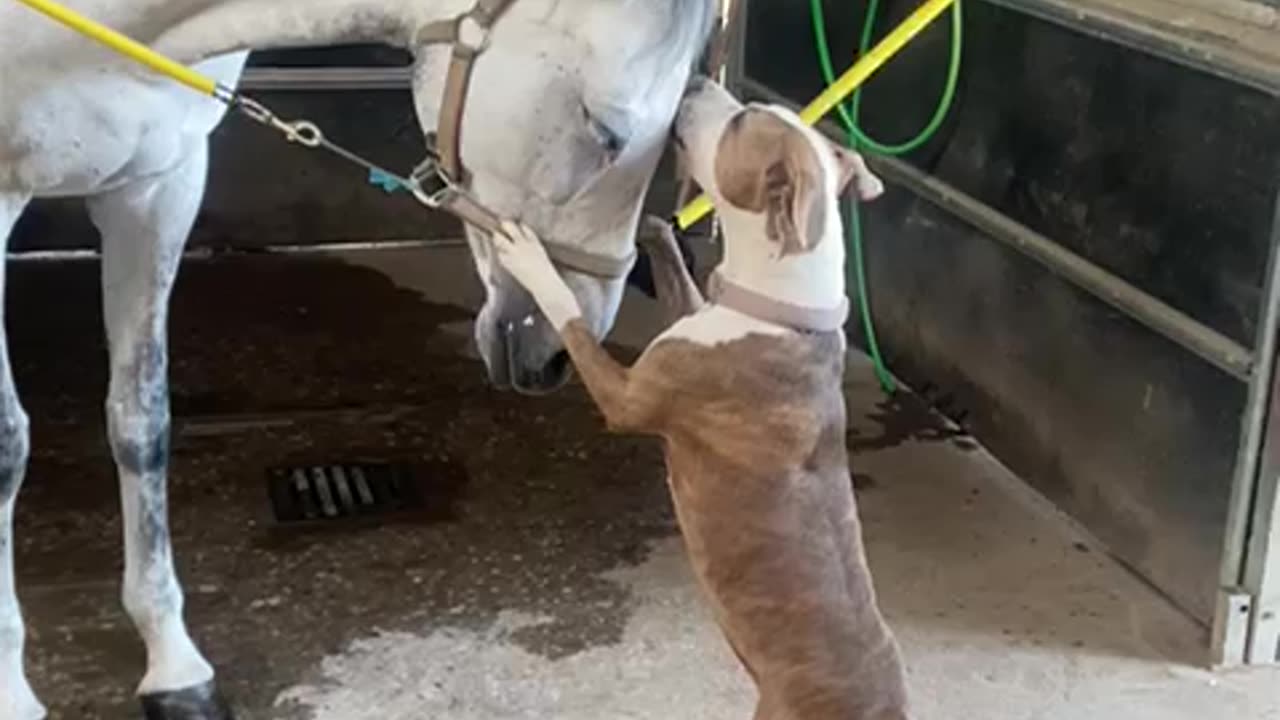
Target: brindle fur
{"x": 759, "y": 472}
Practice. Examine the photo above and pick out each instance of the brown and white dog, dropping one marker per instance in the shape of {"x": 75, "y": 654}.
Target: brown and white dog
{"x": 746, "y": 391}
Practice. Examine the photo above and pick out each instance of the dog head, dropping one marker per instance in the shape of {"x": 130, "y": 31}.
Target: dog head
{"x": 762, "y": 164}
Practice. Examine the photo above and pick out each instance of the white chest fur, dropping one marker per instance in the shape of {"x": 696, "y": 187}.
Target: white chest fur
{"x": 715, "y": 325}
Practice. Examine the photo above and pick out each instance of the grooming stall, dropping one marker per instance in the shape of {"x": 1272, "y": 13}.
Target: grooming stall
{"x": 1078, "y": 267}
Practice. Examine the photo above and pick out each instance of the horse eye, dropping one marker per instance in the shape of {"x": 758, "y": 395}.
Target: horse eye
{"x": 610, "y": 138}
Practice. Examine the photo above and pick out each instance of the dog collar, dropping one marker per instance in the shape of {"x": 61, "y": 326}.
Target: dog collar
{"x": 774, "y": 311}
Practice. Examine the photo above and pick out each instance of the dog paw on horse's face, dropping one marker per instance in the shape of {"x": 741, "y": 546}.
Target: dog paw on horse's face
{"x": 201, "y": 702}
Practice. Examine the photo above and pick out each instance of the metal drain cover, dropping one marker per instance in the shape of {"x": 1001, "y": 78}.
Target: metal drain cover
{"x": 317, "y": 493}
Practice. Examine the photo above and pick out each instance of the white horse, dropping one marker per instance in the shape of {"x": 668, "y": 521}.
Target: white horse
{"x": 564, "y": 125}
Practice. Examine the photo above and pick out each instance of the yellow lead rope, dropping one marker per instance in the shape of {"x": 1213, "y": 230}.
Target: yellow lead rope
{"x": 130, "y": 48}
{"x": 300, "y": 131}
{"x": 843, "y": 87}
{"x": 866, "y": 66}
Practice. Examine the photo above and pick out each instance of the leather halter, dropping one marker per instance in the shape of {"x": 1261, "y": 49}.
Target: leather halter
{"x": 801, "y": 318}
{"x": 442, "y": 178}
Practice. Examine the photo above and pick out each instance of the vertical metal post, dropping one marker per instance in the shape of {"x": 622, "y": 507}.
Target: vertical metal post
{"x": 726, "y": 8}
{"x": 1254, "y": 526}
{"x": 736, "y": 68}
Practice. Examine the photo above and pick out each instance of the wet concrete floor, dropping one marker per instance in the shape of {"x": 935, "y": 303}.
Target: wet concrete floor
{"x": 547, "y": 580}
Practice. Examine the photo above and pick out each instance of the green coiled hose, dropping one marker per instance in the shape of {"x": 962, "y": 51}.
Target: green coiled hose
{"x": 860, "y": 141}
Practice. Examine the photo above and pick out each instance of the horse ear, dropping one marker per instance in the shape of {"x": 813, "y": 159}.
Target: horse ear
{"x": 854, "y": 171}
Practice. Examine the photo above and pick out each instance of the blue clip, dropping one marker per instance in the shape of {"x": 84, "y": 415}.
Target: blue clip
{"x": 386, "y": 182}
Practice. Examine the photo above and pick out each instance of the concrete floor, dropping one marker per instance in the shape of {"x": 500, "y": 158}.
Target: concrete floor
{"x": 551, "y": 582}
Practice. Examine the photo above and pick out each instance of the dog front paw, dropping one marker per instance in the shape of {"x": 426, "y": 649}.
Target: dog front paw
{"x": 521, "y": 252}
{"x": 658, "y": 240}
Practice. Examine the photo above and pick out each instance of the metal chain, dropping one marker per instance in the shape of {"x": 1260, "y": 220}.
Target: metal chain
{"x": 309, "y": 135}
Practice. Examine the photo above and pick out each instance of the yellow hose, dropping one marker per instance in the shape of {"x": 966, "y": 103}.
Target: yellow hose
{"x": 127, "y": 46}
{"x": 866, "y": 66}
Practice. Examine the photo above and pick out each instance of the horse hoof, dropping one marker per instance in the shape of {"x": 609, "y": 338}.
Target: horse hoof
{"x": 200, "y": 702}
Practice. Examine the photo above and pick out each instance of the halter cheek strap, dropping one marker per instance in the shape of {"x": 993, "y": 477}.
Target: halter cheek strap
{"x": 442, "y": 179}
{"x": 468, "y": 34}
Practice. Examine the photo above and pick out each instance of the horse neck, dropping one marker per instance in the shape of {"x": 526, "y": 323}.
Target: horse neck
{"x": 191, "y": 30}
{"x": 202, "y": 28}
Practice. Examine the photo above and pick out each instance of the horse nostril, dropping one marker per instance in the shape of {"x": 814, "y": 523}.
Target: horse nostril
{"x": 558, "y": 365}
{"x": 510, "y": 329}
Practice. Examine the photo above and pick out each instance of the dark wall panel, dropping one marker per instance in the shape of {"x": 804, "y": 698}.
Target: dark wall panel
{"x": 1162, "y": 175}
{"x": 335, "y": 56}
{"x": 263, "y": 190}
{"x": 1120, "y": 428}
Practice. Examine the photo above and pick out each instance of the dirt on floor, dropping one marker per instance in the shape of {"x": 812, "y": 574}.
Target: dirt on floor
{"x": 545, "y": 580}
{"x": 285, "y": 361}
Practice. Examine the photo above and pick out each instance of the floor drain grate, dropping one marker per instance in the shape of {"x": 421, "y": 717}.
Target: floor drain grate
{"x": 313, "y": 493}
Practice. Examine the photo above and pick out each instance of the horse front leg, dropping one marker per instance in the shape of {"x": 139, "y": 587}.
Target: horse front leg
{"x": 144, "y": 229}
{"x": 17, "y": 701}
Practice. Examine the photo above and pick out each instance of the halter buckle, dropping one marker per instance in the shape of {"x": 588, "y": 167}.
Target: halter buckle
{"x": 471, "y": 34}
{"x": 430, "y": 184}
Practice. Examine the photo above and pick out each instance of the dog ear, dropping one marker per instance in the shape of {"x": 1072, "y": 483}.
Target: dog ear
{"x": 854, "y": 171}
{"x": 763, "y": 167}
{"x": 795, "y": 207}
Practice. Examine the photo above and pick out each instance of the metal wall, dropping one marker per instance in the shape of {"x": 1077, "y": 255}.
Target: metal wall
{"x": 1079, "y": 261}
{"x": 265, "y": 192}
